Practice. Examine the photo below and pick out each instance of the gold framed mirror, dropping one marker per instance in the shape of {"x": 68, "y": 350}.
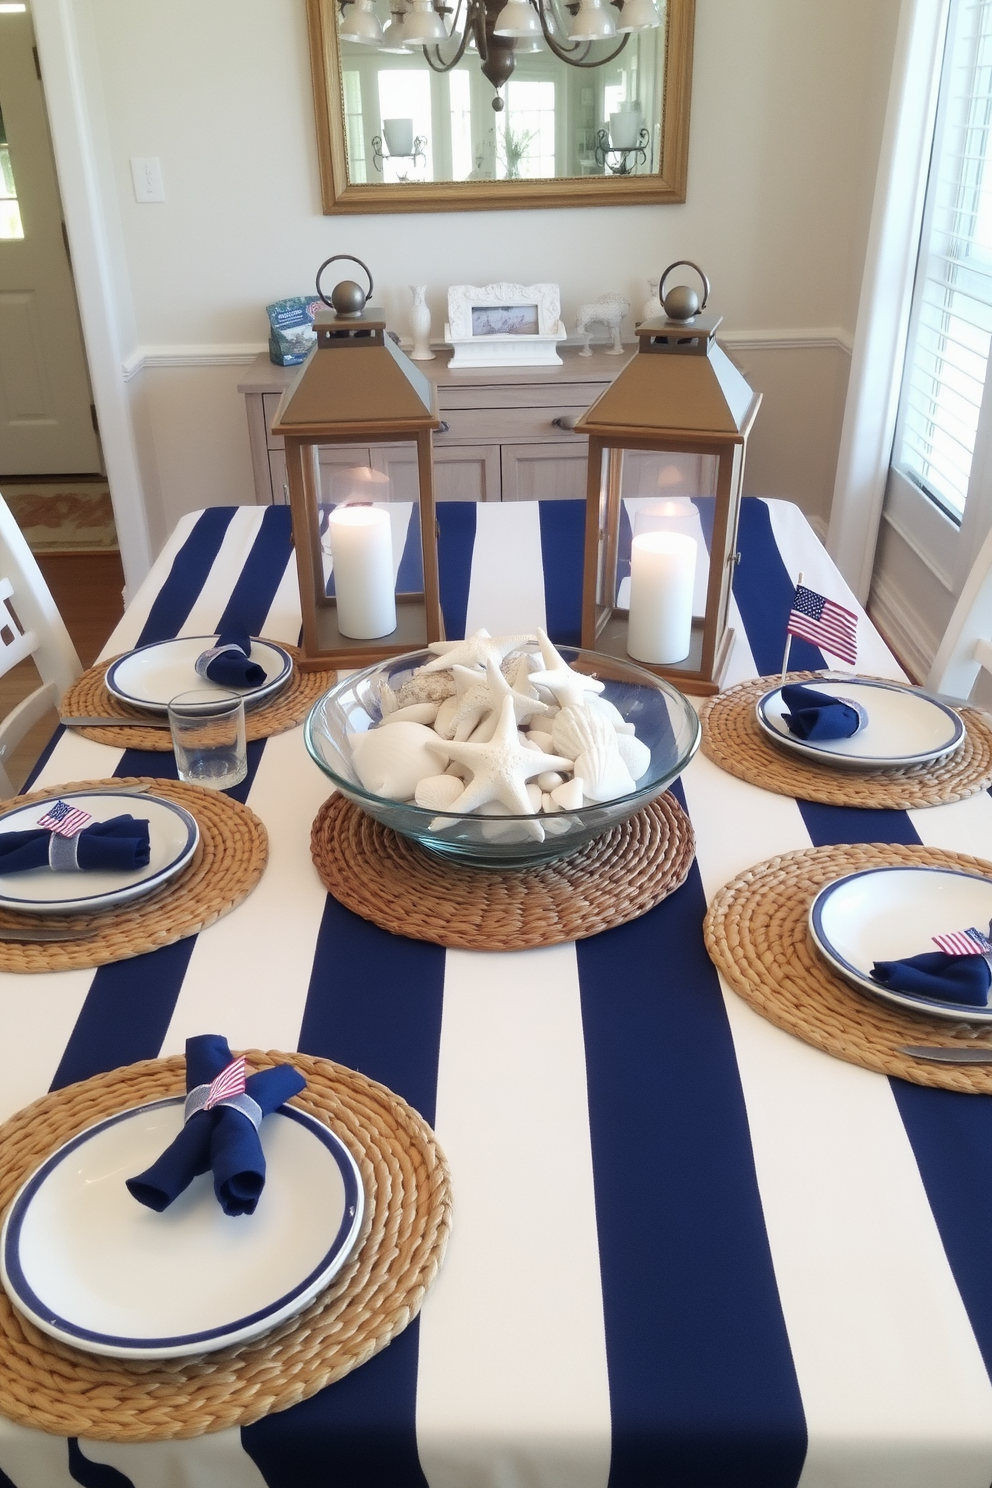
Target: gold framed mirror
{"x": 480, "y": 121}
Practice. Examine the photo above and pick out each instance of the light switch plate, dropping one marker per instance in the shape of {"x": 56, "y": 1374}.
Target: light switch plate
{"x": 146, "y": 173}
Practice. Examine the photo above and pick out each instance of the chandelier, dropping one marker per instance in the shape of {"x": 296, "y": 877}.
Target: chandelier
{"x": 499, "y": 30}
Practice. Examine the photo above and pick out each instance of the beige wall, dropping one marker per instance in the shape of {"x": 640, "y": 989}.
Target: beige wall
{"x": 787, "y": 106}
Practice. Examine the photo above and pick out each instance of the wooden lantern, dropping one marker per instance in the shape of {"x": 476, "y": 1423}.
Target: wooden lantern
{"x": 356, "y": 387}
{"x": 682, "y": 398}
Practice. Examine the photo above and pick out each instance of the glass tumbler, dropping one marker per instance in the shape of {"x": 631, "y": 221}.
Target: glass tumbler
{"x": 208, "y": 736}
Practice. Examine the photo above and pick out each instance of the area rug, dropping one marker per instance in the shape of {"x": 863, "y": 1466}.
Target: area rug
{"x": 63, "y": 517}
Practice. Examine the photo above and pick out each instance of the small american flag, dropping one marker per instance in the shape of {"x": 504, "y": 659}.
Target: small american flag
{"x": 230, "y": 1081}
{"x": 964, "y": 943}
{"x": 825, "y": 623}
{"x": 65, "y": 820}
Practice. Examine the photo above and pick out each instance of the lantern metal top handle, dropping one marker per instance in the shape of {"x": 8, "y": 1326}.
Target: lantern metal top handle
{"x": 688, "y": 264}
{"x": 335, "y": 257}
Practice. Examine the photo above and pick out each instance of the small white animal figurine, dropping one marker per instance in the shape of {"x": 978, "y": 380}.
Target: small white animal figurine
{"x": 609, "y": 310}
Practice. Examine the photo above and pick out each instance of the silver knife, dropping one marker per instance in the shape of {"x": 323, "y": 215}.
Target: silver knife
{"x": 945, "y": 1054}
{"x": 83, "y": 722}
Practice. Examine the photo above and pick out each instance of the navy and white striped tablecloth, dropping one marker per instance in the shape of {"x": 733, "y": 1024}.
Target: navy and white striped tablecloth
{"x": 688, "y": 1249}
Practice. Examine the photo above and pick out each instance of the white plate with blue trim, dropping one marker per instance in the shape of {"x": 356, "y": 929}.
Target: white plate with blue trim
{"x": 887, "y": 914}
{"x": 151, "y": 675}
{"x": 172, "y": 838}
{"x": 904, "y": 726}
{"x": 92, "y": 1267}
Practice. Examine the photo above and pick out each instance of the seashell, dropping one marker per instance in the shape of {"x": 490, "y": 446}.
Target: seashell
{"x": 483, "y": 732}
{"x": 516, "y": 670}
{"x": 635, "y": 754}
{"x": 390, "y": 761}
{"x": 569, "y": 797}
{"x": 549, "y": 804}
{"x": 535, "y": 793}
{"x": 436, "y": 792}
{"x": 521, "y": 830}
{"x": 550, "y": 779}
{"x": 541, "y": 740}
{"x": 426, "y": 687}
{"x": 444, "y": 719}
{"x": 578, "y": 730}
{"x": 386, "y": 696}
{"x": 411, "y": 713}
{"x": 605, "y": 775}
{"x": 458, "y": 771}
{"x": 599, "y": 704}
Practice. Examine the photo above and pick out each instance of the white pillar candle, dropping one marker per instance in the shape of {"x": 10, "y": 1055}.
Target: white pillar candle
{"x": 362, "y": 561}
{"x": 662, "y": 570}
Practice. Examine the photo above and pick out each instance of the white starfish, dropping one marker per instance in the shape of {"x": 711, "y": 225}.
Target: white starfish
{"x": 501, "y": 768}
{"x": 569, "y": 687}
{"x": 474, "y": 651}
{"x": 480, "y": 696}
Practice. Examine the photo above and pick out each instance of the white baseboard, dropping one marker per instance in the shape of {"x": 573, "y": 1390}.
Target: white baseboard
{"x": 914, "y": 643}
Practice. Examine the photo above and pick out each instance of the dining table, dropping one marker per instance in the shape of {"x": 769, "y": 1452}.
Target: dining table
{"x": 688, "y": 1248}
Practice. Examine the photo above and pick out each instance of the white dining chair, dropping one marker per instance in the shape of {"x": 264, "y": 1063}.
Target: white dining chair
{"x": 967, "y": 644}
{"x": 30, "y": 625}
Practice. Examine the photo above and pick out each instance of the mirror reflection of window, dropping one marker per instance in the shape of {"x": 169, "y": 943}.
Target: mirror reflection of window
{"x": 525, "y": 147}
{"x": 354, "y": 134}
{"x": 10, "y": 212}
{"x": 460, "y": 108}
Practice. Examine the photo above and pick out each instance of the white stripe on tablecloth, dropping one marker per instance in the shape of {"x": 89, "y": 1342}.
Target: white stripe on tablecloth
{"x": 892, "y": 1382}
{"x": 801, "y": 550}
{"x": 225, "y": 571}
{"x": 512, "y": 1378}
{"x": 285, "y": 618}
{"x": 33, "y": 1459}
{"x": 127, "y": 630}
{"x": 506, "y": 592}
{"x": 33, "y": 1045}
{"x": 960, "y": 826}
{"x": 215, "y": 1461}
{"x": 248, "y": 984}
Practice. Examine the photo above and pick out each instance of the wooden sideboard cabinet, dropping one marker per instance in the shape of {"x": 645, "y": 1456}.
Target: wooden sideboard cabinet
{"x": 506, "y": 434}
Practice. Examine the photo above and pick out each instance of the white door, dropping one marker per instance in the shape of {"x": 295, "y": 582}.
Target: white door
{"x": 46, "y": 418}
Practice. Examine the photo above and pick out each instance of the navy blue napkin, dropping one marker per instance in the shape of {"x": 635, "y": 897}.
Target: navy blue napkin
{"x": 114, "y": 846}
{"x": 817, "y": 715}
{"x": 221, "y": 1139}
{"x": 233, "y": 667}
{"x": 935, "y": 974}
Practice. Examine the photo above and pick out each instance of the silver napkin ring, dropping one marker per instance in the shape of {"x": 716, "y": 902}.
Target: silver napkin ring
{"x": 63, "y": 853}
{"x": 861, "y": 711}
{"x": 197, "y": 1099}
{"x": 205, "y": 658}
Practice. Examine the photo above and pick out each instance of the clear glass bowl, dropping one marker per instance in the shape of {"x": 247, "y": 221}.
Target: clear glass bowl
{"x": 664, "y": 720}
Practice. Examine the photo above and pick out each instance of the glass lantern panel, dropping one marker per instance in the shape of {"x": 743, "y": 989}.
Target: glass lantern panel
{"x": 673, "y": 492}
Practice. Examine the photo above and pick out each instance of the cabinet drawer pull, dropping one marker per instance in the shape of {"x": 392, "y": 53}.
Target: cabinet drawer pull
{"x": 565, "y": 421}
{"x": 444, "y": 429}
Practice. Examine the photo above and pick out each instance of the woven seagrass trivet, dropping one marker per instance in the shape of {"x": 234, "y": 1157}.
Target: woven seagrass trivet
{"x": 388, "y": 879}
{"x": 44, "y": 1383}
{"x": 228, "y": 863}
{"x": 733, "y": 740}
{"x": 88, "y": 697}
{"x": 756, "y": 934}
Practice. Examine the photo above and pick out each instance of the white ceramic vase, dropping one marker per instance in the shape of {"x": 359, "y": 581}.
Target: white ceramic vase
{"x": 653, "y": 307}
{"x": 420, "y": 325}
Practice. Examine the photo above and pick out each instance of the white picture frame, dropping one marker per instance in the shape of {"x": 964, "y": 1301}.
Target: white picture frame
{"x": 504, "y": 325}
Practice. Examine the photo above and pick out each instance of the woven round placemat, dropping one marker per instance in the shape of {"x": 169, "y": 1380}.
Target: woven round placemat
{"x": 388, "y": 879}
{"x": 46, "y": 1384}
{"x": 89, "y": 698}
{"x": 228, "y": 863}
{"x": 733, "y": 740}
{"x": 756, "y": 934}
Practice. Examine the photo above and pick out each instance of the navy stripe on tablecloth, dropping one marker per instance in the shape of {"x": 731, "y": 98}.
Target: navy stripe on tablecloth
{"x": 255, "y": 589}
{"x": 703, "y": 1391}
{"x": 92, "y": 1474}
{"x": 187, "y": 576}
{"x": 764, "y": 593}
{"x": 374, "y": 1003}
{"x": 562, "y": 553}
{"x": 455, "y": 546}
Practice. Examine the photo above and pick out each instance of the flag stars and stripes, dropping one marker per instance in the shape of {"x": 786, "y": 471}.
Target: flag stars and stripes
{"x": 825, "y": 623}
{"x": 65, "y": 820}
{"x": 964, "y": 943}
{"x": 230, "y": 1081}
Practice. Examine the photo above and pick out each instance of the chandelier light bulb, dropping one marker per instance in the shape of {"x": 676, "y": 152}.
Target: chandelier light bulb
{"x": 422, "y": 24}
{"x": 518, "y": 18}
{"x": 392, "y": 35}
{"x": 594, "y": 22}
{"x": 362, "y": 24}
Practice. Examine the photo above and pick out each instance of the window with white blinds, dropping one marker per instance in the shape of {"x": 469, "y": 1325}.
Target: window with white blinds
{"x": 943, "y": 406}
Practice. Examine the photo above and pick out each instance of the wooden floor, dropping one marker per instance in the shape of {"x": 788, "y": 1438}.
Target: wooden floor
{"x": 87, "y": 589}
